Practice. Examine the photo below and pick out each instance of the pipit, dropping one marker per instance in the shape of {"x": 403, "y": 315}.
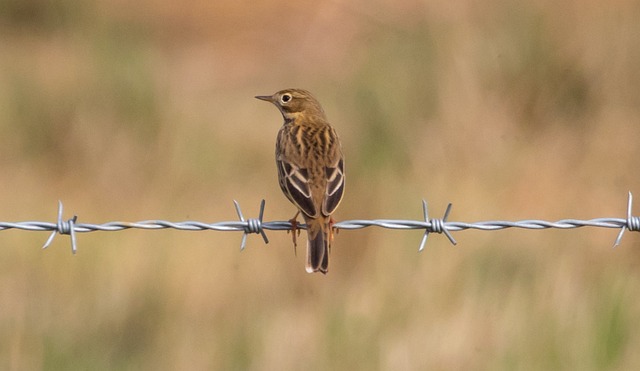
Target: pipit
{"x": 310, "y": 169}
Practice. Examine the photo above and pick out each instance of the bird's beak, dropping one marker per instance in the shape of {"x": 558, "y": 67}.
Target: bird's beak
{"x": 267, "y": 98}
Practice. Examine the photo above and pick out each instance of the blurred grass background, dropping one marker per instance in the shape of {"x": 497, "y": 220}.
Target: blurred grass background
{"x": 144, "y": 110}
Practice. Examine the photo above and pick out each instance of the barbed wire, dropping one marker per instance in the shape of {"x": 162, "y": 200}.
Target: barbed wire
{"x": 258, "y": 226}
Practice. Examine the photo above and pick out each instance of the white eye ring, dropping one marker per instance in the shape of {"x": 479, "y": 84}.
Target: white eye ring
{"x": 285, "y": 98}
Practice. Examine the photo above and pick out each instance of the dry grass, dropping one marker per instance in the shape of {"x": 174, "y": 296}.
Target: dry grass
{"x": 508, "y": 109}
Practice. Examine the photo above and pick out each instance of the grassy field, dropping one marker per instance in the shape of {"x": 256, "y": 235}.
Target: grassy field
{"x": 144, "y": 110}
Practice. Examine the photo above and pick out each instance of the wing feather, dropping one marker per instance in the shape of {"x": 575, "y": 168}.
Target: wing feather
{"x": 335, "y": 187}
{"x": 295, "y": 184}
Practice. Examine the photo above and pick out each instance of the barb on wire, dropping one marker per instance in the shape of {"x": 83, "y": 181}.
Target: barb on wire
{"x": 633, "y": 222}
{"x": 253, "y": 225}
{"x": 258, "y": 226}
{"x": 63, "y": 227}
{"x": 435, "y": 225}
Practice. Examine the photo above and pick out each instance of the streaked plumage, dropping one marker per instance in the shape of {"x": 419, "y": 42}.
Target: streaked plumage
{"x": 310, "y": 168}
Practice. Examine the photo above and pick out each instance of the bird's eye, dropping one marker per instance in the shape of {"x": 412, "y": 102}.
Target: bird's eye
{"x": 286, "y": 98}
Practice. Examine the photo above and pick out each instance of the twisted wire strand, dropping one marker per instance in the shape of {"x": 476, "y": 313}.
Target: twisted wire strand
{"x": 258, "y": 226}
{"x": 230, "y": 226}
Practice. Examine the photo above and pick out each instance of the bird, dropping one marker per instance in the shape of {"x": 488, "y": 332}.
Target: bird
{"x": 310, "y": 167}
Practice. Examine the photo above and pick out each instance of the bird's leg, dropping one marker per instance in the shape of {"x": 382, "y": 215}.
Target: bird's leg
{"x": 294, "y": 229}
{"x": 331, "y": 229}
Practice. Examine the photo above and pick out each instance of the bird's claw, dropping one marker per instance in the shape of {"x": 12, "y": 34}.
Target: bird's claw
{"x": 294, "y": 230}
{"x": 332, "y": 229}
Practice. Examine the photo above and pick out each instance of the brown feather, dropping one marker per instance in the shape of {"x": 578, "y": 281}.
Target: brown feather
{"x": 310, "y": 167}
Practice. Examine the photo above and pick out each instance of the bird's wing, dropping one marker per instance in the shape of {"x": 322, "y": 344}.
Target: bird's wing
{"x": 294, "y": 182}
{"x": 335, "y": 187}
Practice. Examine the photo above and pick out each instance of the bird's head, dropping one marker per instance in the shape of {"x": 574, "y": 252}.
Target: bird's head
{"x": 294, "y": 102}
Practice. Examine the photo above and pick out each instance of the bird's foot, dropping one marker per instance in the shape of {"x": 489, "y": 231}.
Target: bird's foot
{"x": 332, "y": 229}
{"x": 294, "y": 230}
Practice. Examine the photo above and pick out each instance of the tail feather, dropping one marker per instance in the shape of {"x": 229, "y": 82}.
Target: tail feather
{"x": 317, "y": 247}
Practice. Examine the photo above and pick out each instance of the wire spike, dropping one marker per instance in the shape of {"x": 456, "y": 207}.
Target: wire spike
{"x": 243, "y": 242}
{"x": 425, "y": 212}
{"x": 252, "y": 225}
{"x": 72, "y": 232}
{"x": 632, "y": 223}
{"x": 50, "y": 239}
{"x": 444, "y": 227}
{"x": 264, "y": 235}
{"x": 435, "y": 225}
{"x": 63, "y": 227}
{"x": 262, "y": 203}
{"x": 446, "y": 213}
{"x": 238, "y": 211}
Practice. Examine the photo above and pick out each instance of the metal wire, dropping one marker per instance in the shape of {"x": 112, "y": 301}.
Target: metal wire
{"x": 258, "y": 226}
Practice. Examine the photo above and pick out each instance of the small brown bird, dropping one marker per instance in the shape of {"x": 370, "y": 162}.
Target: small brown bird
{"x": 310, "y": 169}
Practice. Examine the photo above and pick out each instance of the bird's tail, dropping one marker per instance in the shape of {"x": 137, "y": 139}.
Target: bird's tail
{"x": 318, "y": 245}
